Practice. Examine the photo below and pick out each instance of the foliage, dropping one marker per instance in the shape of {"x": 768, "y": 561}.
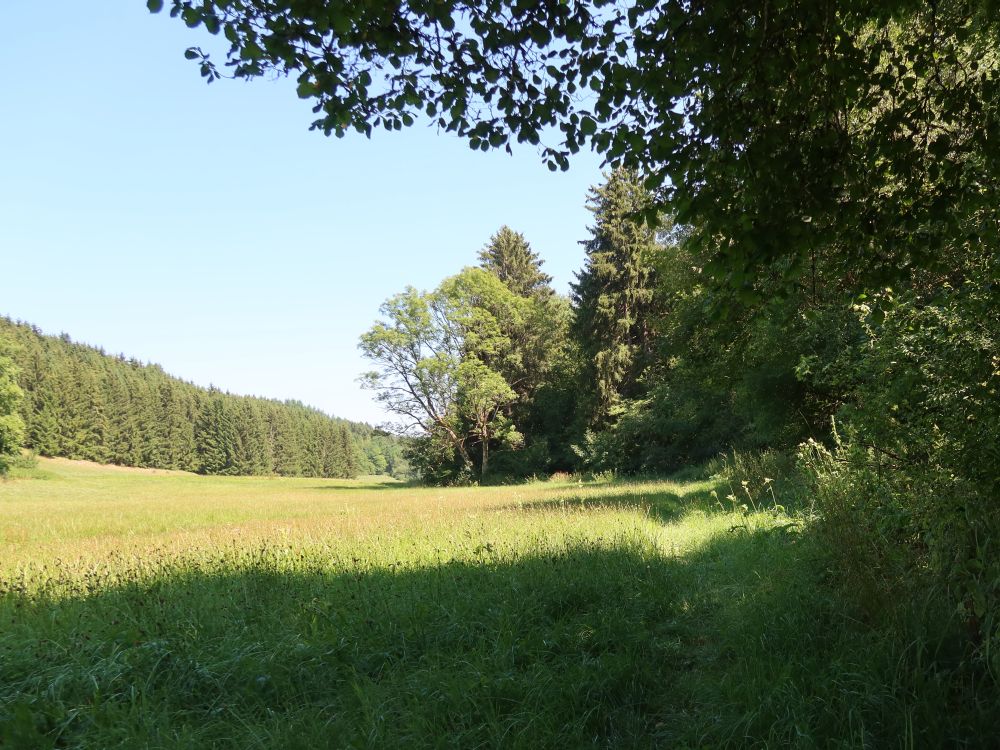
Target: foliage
{"x": 916, "y": 462}
{"x": 483, "y": 393}
{"x": 509, "y": 257}
{"x": 81, "y": 403}
{"x": 11, "y": 424}
{"x": 460, "y": 366}
{"x": 886, "y": 114}
{"x": 613, "y": 297}
{"x": 418, "y": 351}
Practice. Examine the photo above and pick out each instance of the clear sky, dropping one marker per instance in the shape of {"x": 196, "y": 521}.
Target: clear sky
{"x": 205, "y": 228}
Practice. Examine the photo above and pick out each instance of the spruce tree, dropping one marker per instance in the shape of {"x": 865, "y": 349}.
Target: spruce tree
{"x": 11, "y": 424}
{"x": 346, "y": 445}
{"x": 38, "y": 409}
{"x": 123, "y": 434}
{"x": 510, "y": 258}
{"x": 81, "y": 403}
{"x": 287, "y": 443}
{"x": 334, "y": 455}
{"x": 43, "y": 432}
{"x": 178, "y": 412}
{"x": 614, "y": 295}
{"x": 217, "y": 438}
{"x": 91, "y": 414}
{"x": 256, "y": 456}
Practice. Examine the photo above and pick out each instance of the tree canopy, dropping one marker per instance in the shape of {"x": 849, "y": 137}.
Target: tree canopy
{"x": 438, "y": 356}
{"x": 779, "y": 132}
{"x": 614, "y": 294}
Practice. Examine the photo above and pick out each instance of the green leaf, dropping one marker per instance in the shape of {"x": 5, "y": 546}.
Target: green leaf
{"x": 540, "y": 35}
{"x": 252, "y": 51}
{"x": 155, "y": 6}
{"x": 341, "y": 24}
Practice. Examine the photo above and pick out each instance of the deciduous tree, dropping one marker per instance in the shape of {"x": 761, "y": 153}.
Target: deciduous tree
{"x": 436, "y": 356}
{"x": 780, "y": 131}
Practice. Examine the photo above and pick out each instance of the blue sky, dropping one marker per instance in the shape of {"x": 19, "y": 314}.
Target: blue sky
{"x": 204, "y": 227}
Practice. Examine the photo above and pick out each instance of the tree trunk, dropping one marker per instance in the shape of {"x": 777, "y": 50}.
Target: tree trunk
{"x": 466, "y": 458}
{"x": 459, "y": 444}
{"x": 465, "y": 455}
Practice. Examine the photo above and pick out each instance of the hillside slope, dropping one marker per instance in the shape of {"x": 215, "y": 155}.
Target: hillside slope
{"x": 82, "y": 403}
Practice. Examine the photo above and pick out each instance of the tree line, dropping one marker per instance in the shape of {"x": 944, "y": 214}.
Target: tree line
{"x": 75, "y": 401}
{"x": 877, "y": 405}
{"x": 495, "y": 376}
{"x": 826, "y": 183}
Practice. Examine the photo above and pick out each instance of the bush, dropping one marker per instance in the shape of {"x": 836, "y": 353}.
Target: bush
{"x": 435, "y": 461}
{"x": 908, "y": 492}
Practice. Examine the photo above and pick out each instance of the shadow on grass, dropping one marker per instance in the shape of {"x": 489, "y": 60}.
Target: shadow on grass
{"x": 600, "y": 644}
{"x": 575, "y": 648}
{"x": 389, "y": 484}
{"x": 662, "y": 504}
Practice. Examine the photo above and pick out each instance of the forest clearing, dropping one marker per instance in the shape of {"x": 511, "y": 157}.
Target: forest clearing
{"x": 612, "y": 375}
{"x": 164, "y": 609}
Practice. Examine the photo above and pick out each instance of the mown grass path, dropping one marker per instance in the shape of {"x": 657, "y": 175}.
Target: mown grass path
{"x": 158, "y": 610}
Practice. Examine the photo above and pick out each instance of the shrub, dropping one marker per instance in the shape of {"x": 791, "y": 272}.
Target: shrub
{"x": 908, "y": 492}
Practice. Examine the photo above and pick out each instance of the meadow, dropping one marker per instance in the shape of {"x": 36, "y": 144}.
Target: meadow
{"x": 156, "y": 609}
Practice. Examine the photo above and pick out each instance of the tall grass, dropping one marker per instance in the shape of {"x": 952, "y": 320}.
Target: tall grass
{"x": 172, "y": 611}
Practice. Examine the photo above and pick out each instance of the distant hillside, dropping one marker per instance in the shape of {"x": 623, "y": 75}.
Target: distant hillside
{"x": 83, "y": 403}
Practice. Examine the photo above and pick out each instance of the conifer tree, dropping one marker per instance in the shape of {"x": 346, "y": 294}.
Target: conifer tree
{"x": 38, "y": 409}
{"x": 614, "y": 295}
{"x": 510, "y": 258}
{"x": 350, "y": 462}
{"x": 11, "y": 424}
{"x": 123, "y": 438}
{"x": 81, "y": 403}
{"x": 179, "y": 412}
{"x": 287, "y": 444}
{"x": 217, "y": 438}
{"x": 43, "y": 435}
{"x": 90, "y": 414}
{"x": 312, "y": 459}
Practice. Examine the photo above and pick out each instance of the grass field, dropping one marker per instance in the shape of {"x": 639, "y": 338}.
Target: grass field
{"x": 165, "y": 610}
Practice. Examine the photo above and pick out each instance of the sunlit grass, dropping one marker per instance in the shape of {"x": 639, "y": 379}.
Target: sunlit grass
{"x": 81, "y": 510}
{"x": 143, "y": 609}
